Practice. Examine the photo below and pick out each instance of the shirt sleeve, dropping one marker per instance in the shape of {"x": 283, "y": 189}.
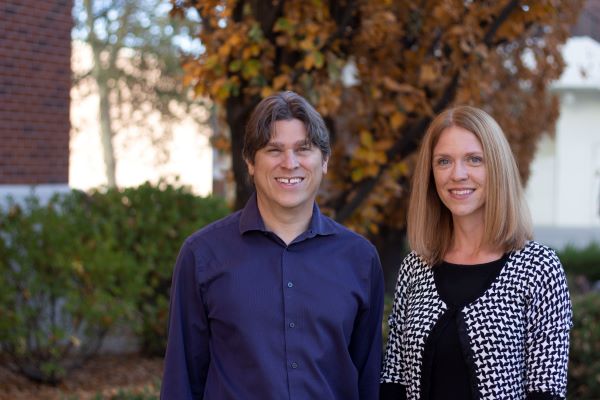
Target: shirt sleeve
{"x": 187, "y": 356}
{"x": 365, "y": 345}
{"x": 392, "y": 368}
{"x": 549, "y": 318}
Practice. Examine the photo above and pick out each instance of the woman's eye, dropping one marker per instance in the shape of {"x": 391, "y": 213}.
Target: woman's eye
{"x": 476, "y": 159}
{"x": 443, "y": 161}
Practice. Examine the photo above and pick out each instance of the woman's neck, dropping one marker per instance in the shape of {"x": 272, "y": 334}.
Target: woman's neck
{"x": 467, "y": 246}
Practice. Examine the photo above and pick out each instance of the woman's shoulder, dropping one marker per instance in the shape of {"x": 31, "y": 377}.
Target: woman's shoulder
{"x": 537, "y": 260}
{"x": 413, "y": 259}
{"x": 414, "y": 265}
{"x": 537, "y": 253}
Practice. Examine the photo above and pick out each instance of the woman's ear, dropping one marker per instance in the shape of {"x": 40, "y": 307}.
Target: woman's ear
{"x": 250, "y": 166}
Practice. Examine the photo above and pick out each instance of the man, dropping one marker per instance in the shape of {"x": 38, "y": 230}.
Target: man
{"x": 277, "y": 301}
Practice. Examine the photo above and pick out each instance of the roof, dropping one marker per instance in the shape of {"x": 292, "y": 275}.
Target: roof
{"x": 588, "y": 23}
{"x": 582, "y": 58}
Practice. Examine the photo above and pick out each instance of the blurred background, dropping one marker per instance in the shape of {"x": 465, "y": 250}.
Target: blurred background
{"x": 120, "y": 134}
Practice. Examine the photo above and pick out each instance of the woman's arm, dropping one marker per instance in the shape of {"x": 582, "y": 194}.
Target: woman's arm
{"x": 549, "y": 321}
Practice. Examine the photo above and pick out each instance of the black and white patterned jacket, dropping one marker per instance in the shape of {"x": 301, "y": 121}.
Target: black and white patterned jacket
{"x": 516, "y": 334}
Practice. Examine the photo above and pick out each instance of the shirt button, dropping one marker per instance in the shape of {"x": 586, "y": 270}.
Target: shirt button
{"x": 290, "y": 284}
{"x": 292, "y": 325}
{"x": 294, "y": 365}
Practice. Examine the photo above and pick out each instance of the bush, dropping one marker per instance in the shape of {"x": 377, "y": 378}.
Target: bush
{"x": 584, "y": 356}
{"x": 151, "y": 223}
{"x": 65, "y": 282}
{"x": 585, "y": 261}
{"x": 73, "y": 268}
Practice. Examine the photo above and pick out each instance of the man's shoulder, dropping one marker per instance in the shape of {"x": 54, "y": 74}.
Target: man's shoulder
{"x": 343, "y": 233}
{"x": 226, "y": 227}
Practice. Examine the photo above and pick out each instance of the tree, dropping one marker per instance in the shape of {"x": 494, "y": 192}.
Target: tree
{"x": 136, "y": 67}
{"x": 411, "y": 60}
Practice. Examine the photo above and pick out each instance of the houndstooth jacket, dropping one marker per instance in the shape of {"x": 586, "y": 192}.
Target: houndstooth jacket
{"x": 516, "y": 335}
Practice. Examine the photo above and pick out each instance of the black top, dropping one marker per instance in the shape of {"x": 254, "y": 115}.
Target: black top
{"x": 449, "y": 376}
{"x": 457, "y": 285}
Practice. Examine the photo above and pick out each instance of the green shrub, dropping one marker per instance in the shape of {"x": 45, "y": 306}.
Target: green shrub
{"x": 151, "y": 223}
{"x": 584, "y": 356}
{"x": 582, "y": 261}
{"x": 64, "y": 283}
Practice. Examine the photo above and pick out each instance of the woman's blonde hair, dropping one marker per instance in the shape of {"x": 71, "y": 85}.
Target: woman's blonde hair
{"x": 507, "y": 222}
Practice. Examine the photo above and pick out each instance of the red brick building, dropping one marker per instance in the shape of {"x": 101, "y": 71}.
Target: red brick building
{"x": 35, "y": 82}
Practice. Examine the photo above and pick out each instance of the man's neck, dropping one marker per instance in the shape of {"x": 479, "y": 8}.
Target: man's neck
{"x": 287, "y": 224}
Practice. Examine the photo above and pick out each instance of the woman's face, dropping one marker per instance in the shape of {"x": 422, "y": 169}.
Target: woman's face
{"x": 460, "y": 174}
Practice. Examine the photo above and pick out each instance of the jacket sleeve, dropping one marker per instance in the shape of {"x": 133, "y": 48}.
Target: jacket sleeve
{"x": 549, "y": 318}
{"x": 365, "y": 345}
{"x": 392, "y": 368}
{"x": 187, "y": 356}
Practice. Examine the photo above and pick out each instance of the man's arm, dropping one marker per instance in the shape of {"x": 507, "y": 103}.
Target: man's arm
{"x": 365, "y": 347}
{"x": 187, "y": 357}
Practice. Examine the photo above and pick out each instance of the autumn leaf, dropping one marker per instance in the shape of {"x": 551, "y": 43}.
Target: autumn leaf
{"x": 250, "y": 69}
{"x": 410, "y": 60}
{"x": 397, "y": 120}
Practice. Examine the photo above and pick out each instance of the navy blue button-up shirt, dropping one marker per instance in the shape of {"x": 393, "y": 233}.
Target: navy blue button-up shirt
{"x": 254, "y": 318}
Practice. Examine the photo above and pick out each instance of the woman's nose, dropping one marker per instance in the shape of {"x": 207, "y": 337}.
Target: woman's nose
{"x": 459, "y": 172}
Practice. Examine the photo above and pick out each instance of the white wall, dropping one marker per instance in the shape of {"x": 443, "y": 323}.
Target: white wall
{"x": 564, "y": 187}
{"x": 138, "y": 160}
{"x": 578, "y": 159}
{"x": 563, "y": 190}
{"x": 541, "y": 190}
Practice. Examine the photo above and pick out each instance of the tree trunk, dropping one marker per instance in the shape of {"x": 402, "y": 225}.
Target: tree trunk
{"x": 392, "y": 247}
{"x": 106, "y": 135}
{"x": 237, "y": 116}
{"x": 106, "y": 132}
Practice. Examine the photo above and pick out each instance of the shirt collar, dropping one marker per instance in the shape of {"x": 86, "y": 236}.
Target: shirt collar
{"x": 250, "y": 220}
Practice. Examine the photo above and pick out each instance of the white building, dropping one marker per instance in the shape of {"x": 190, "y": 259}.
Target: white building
{"x": 564, "y": 188}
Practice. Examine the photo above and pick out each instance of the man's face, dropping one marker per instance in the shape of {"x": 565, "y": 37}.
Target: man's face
{"x": 287, "y": 172}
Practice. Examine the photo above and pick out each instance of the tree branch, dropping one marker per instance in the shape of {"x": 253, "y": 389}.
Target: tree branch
{"x": 349, "y": 201}
{"x": 506, "y": 11}
{"x": 404, "y": 146}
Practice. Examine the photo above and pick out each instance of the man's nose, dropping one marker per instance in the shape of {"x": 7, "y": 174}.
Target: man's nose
{"x": 290, "y": 161}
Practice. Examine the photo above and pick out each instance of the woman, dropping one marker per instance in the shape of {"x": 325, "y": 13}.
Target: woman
{"x": 480, "y": 310}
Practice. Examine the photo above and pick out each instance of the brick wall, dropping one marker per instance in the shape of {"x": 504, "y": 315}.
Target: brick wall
{"x": 35, "y": 80}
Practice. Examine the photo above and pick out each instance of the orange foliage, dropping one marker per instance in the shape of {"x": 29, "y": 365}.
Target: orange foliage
{"x": 412, "y": 59}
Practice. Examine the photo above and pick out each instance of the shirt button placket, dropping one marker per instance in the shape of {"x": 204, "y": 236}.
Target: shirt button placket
{"x": 289, "y": 288}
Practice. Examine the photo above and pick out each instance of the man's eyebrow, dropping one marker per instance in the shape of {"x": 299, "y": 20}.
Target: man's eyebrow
{"x": 298, "y": 143}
